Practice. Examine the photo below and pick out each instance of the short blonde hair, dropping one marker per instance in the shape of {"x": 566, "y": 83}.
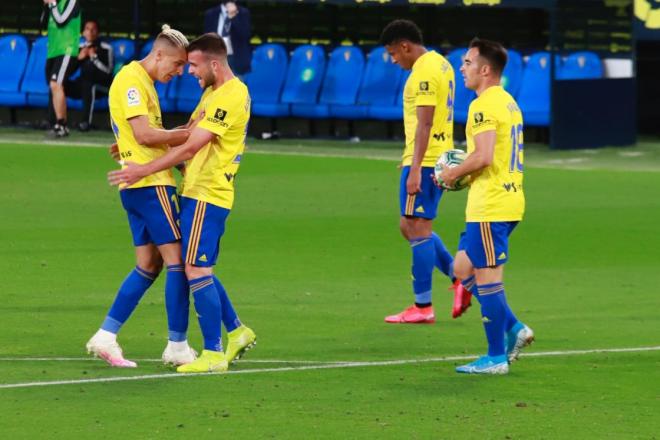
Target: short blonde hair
{"x": 173, "y": 37}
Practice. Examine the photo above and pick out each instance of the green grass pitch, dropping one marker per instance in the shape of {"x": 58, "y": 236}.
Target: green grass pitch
{"x": 313, "y": 260}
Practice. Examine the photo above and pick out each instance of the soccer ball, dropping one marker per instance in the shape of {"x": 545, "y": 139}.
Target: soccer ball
{"x": 451, "y": 159}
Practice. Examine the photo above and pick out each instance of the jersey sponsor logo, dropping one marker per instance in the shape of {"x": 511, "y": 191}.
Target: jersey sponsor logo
{"x": 132, "y": 97}
{"x": 478, "y": 118}
{"x": 219, "y": 117}
{"x": 511, "y": 186}
{"x": 439, "y": 136}
{"x": 423, "y": 86}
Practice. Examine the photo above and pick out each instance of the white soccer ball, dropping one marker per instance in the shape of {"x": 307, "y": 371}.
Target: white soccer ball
{"x": 451, "y": 159}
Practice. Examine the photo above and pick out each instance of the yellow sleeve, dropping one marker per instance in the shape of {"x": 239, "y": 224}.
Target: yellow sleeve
{"x": 220, "y": 114}
{"x": 200, "y": 104}
{"x": 481, "y": 119}
{"x": 426, "y": 86}
{"x": 133, "y": 99}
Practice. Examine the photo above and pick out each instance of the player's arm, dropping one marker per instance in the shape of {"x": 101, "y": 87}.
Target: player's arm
{"x": 480, "y": 158}
{"x": 134, "y": 172}
{"x": 149, "y": 136}
{"x": 424, "y": 124}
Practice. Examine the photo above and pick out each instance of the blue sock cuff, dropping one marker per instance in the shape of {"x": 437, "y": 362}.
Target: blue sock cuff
{"x": 176, "y": 268}
{"x": 111, "y": 325}
{"x": 490, "y": 289}
{"x": 418, "y": 241}
{"x": 176, "y": 336}
{"x": 148, "y": 275}
{"x": 469, "y": 284}
{"x": 200, "y": 283}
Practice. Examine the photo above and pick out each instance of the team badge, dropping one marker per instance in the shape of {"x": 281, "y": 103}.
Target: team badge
{"x": 133, "y": 97}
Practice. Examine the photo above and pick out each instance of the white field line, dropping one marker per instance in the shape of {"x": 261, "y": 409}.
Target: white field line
{"x": 93, "y": 359}
{"x": 339, "y": 364}
{"x": 249, "y": 150}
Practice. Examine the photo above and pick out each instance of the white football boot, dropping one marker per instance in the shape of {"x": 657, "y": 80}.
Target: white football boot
{"x": 104, "y": 345}
{"x": 178, "y": 353}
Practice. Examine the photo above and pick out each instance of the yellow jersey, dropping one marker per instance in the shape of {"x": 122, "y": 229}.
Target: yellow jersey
{"x": 431, "y": 83}
{"x": 496, "y": 193}
{"x": 211, "y": 172}
{"x": 132, "y": 94}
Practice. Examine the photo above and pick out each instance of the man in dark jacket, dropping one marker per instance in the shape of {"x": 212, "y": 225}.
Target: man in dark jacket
{"x": 233, "y": 23}
{"x": 96, "y": 62}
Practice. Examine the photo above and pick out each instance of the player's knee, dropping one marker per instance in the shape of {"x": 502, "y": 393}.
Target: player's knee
{"x": 194, "y": 272}
{"x": 462, "y": 266}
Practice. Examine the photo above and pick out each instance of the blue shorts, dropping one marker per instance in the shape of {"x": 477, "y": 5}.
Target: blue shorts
{"x": 423, "y": 204}
{"x": 487, "y": 243}
{"x": 153, "y": 214}
{"x": 202, "y": 226}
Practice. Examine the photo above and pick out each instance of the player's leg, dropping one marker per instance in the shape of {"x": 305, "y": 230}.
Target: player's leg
{"x": 464, "y": 285}
{"x": 161, "y": 211}
{"x": 199, "y": 226}
{"x": 416, "y": 224}
{"x": 240, "y": 338}
{"x": 104, "y": 342}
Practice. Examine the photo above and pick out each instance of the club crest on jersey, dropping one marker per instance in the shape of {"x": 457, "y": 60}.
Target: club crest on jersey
{"x": 132, "y": 97}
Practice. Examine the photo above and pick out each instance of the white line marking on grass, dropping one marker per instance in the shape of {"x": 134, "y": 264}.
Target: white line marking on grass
{"x": 338, "y": 364}
{"x": 93, "y": 359}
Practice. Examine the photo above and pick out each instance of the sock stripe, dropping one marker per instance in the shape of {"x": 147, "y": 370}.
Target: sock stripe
{"x": 145, "y": 274}
{"x": 414, "y": 243}
{"x": 490, "y": 289}
{"x": 167, "y": 210}
{"x": 201, "y": 284}
{"x": 176, "y": 268}
{"x": 468, "y": 283}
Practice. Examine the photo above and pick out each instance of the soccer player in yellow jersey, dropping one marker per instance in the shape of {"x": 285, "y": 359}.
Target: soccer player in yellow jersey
{"x": 495, "y": 205}
{"x": 150, "y": 203}
{"x": 213, "y": 153}
{"x": 428, "y": 117}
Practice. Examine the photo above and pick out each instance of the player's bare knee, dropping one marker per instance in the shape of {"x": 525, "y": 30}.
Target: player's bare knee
{"x": 194, "y": 272}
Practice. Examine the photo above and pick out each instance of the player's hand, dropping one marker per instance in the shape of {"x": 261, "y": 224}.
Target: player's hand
{"x": 448, "y": 177}
{"x": 414, "y": 182}
{"x": 91, "y": 51}
{"x": 130, "y": 174}
{"x": 435, "y": 181}
{"x": 114, "y": 152}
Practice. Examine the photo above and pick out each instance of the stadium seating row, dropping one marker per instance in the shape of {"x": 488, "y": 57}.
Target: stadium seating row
{"x": 307, "y": 85}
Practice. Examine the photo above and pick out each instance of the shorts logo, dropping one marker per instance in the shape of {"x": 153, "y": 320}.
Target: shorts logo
{"x": 203, "y": 258}
{"x": 132, "y": 97}
{"x": 478, "y": 118}
{"x": 424, "y": 86}
{"x": 502, "y": 256}
{"x": 420, "y": 209}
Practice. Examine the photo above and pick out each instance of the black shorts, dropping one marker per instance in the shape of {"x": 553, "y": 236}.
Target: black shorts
{"x": 60, "y": 68}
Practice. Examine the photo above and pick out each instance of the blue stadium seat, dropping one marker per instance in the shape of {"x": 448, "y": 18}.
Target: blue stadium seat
{"x": 580, "y": 65}
{"x": 34, "y": 82}
{"x": 187, "y": 92}
{"x": 534, "y": 94}
{"x": 124, "y": 52}
{"x": 269, "y": 66}
{"x": 463, "y": 96}
{"x": 166, "y": 104}
{"x": 14, "y": 51}
{"x": 340, "y": 85}
{"x": 378, "y": 91}
{"x": 303, "y": 80}
{"x": 392, "y": 112}
{"x": 512, "y": 75}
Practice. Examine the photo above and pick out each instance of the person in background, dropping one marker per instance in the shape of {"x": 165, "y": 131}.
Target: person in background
{"x": 96, "y": 60}
{"x": 234, "y": 24}
{"x": 61, "y": 60}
